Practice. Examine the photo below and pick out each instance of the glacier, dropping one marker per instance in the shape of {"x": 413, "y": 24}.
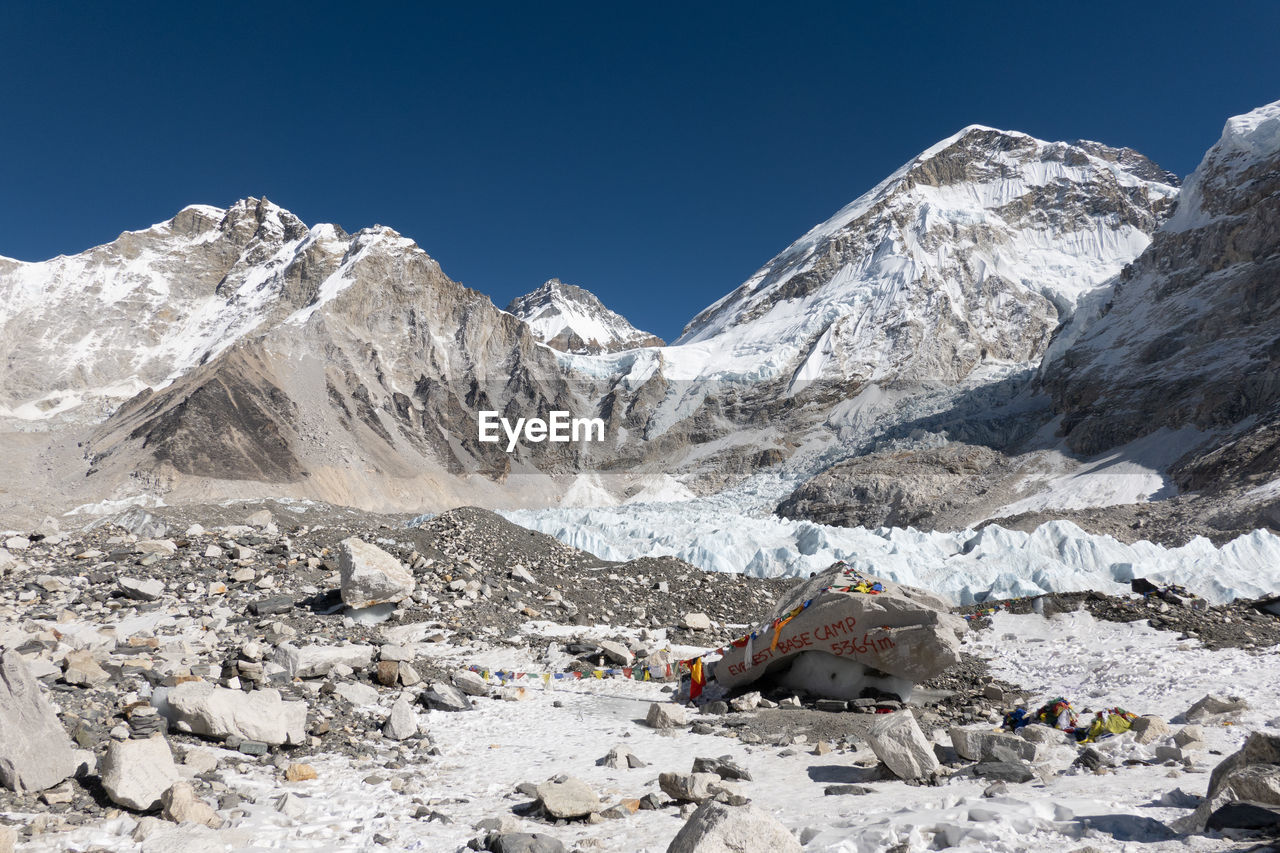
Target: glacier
{"x": 968, "y": 566}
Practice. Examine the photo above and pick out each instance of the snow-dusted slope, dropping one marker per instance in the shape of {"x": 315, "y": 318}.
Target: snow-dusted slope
{"x": 1189, "y": 335}
{"x": 573, "y": 319}
{"x": 969, "y": 254}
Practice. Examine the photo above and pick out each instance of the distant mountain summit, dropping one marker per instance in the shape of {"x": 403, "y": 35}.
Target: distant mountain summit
{"x": 972, "y": 252}
{"x": 572, "y": 319}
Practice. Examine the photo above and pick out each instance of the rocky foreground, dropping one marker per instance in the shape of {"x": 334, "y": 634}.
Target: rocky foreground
{"x": 295, "y": 675}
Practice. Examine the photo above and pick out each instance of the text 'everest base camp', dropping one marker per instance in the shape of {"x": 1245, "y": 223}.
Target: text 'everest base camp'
{"x": 954, "y": 527}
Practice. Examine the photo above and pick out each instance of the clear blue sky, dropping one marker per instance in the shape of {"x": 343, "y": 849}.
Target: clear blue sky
{"x": 656, "y": 154}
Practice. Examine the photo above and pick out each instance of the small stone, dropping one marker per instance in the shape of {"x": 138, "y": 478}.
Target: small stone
{"x": 1189, "y": 738}
{"x": 357, "y": 693}
{"x": 1004, "y": 771}
{"x": 300, "y": 773}
{"x": 135, "y": 773}
{"x": 568, "y": 798}
{"x": 688, "y": 787}
{"x": 470, "y": 683}
{"x": 665, "y": 715}
{"x": 254, "y": 747}
{"x": 846, "y": 790}
{"x": 696, "y": 621}
{"x": 621, "y": 758}
{"x": 616, "y": 652}
{"x": 722, "y": 767}
{"x": 141, "y": 590}
{"x": 271, "y": 606}
{"x": 1149, "y": 729}
{"x": 445, "y": 697}
{"x": 402, "y": 722}
{"x": 387, "y": 673}
{"x": 181, "y": 805}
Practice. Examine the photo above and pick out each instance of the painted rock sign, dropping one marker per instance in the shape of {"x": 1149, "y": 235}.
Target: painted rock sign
{"x": 885, "y": 628}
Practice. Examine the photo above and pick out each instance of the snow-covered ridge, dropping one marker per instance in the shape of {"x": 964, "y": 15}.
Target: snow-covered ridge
{"x": 572, "y": 319}
{"x": 99, "y": 326}
{"x": 1245, "y": 140}
{"x": 990, "y": 232}
{"x": 967, "y": 565}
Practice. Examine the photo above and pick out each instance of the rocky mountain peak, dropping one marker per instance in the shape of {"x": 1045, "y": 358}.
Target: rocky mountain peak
{"x": 1187, "y": 336}
{"x": 573, "y": 319}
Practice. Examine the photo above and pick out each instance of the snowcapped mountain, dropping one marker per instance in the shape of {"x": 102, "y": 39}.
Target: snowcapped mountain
{"x": 572, "y": 319}
{"x": 260, "y": 356}
{"x": 141, "y": 310}
{"x": 970, "y": 254}
{"x": 1189, "y": 335}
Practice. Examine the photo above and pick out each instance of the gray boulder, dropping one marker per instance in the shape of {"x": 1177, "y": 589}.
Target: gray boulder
{"x": 978, "y": 743}
{"x": 1149, "y": 729}
{"x": 717, "y": 828}
{"x": 180, "y": 804}
{"x": 470, "y": 683}
{"x": 35, "y": 752}
{"x": 896, "y": 740}
{"x": 845, "y": 641}
{"x": 315, "y": 661}
{"x": 1252, "y": 774}
{"x": 665, "y": 715}
{"x": 371, "y": 576}
{"x": 688, "y": 787}
{"x": 445, "y": 697}
{"x": 402, "y": 722}
{"x": 141, "y": 590}
{"x": 1212, "y": 705}
{"x": 522, "y": 842}
{"x": 566, "y": 798}
{"x": 136, "y": 773}
{"x": 217, "y": 712}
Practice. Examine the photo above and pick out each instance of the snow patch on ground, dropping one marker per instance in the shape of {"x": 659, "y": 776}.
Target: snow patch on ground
{"x": 1133, "y": 473}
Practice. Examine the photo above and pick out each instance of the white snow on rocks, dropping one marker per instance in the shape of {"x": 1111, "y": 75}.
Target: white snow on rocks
{"x": 967, "y": 566}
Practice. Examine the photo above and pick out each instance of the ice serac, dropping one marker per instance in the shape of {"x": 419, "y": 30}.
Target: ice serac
{"x": 1188, "y": 336}
{"x": 837, "y": 641}
{"x": 573, "y": 319}
{"x": 970, "y": 254}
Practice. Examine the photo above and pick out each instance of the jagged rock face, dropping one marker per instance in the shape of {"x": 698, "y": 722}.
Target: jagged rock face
{"x": 1189, "y": 335}
{"x": 898, "y": 489}
{"x": 134, "y": 313}
{"x": 574, "y": 320}
{"x": 969, "y": 254}
{"x": 241, "y": 347}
